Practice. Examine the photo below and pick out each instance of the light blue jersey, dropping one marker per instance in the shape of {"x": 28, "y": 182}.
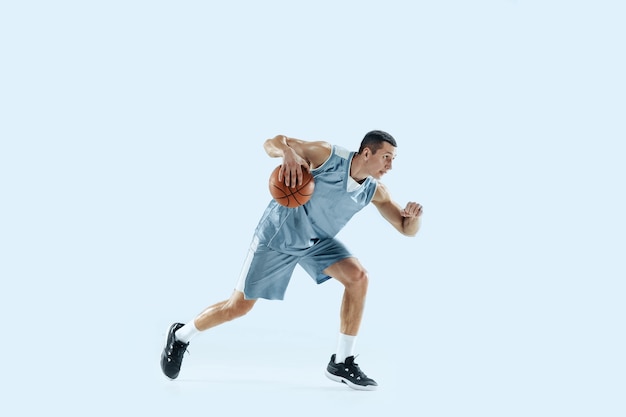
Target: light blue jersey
{"x": 286, "y": 237}
{"x": 337, "y": 197}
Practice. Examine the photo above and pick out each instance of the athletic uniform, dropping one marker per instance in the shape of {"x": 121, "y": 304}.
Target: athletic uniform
{"x": 305, "y": 235}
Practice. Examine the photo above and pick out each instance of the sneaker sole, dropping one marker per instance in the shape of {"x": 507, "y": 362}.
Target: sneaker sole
{"x": 350, "y": 384}
{"x": 166, "y": 337}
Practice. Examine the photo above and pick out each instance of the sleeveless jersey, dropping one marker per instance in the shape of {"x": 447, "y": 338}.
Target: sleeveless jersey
{"x": 336, "y": 198}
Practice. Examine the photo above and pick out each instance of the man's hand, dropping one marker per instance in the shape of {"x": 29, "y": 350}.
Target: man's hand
{"x": 412, "y": 209}
{"x": 291, "y": 169}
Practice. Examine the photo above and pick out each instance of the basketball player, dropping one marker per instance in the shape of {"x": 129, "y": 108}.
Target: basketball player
{"x": 345, "y": 182}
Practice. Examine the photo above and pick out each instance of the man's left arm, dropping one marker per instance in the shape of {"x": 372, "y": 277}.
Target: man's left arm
{"x": 406, "y": 220}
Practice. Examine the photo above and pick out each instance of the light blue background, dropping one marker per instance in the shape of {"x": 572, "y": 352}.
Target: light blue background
{"x": 132, "y": 175}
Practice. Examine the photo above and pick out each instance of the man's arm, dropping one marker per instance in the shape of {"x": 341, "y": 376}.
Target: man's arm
{"x": 407, "y": 221}
{"x": 296, "y": 154}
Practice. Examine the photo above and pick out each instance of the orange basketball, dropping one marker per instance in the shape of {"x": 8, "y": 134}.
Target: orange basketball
{"x": 291, "y": 196}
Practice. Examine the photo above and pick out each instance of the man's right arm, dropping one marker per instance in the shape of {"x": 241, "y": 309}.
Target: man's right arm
{"x": 296, "y": 154}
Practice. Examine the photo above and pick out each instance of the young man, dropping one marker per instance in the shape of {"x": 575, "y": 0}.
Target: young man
{"x": 345, "y": 182}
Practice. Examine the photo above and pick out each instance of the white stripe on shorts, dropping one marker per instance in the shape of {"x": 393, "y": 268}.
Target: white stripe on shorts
{"x": 241, "y": 282}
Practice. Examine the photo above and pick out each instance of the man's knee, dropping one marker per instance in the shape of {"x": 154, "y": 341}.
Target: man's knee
{"x": 238, "y": 306}
{"x": 354, "y": 275}
{"x": 360, "y": 277}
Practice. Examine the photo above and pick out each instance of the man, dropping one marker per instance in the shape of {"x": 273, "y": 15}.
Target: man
{"x": 345, "y": 182}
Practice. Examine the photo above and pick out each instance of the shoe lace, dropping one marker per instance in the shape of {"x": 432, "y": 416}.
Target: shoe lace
{"x": 353, "y": 368}
{"x": 179, "y": 348}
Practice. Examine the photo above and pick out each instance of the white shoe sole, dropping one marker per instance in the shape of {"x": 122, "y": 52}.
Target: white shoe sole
{"x": 350, "y": 384}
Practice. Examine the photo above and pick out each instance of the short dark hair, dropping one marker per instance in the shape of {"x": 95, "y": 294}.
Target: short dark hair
{"x": 374, "y": 140}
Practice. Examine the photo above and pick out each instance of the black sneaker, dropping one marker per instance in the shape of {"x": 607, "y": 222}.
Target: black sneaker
{"x": 172, "y": 356}
{"x": 350, "y": 374}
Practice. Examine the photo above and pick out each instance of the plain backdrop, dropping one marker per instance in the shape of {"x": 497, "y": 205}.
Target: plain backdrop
{"x": 132, "y": 175}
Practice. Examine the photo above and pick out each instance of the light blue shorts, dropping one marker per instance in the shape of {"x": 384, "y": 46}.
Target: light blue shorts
{"x": 266, "y": 272}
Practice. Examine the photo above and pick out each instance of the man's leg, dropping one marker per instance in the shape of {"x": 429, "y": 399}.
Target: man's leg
{"x": 175, "y": 346}
{"x": 342, "y": 368}
{"x": 354, "y": 278}
{"x": 235, "y": 307}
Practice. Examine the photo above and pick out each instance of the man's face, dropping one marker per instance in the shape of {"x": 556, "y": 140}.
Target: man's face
{"x": 380, "y": 163}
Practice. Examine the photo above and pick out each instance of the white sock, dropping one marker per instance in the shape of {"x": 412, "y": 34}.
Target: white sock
{"x": 345, "y": 347}
{"x": 185, "y": 333}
